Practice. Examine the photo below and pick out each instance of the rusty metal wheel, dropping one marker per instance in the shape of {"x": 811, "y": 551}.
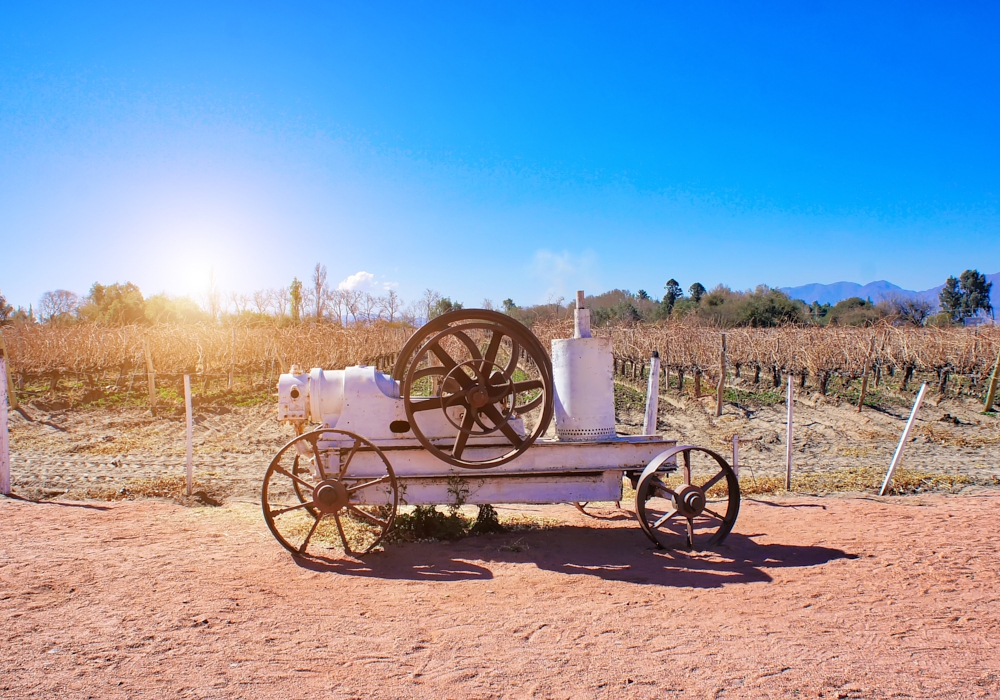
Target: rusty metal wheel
{"x": 696, "y": 503}
{"x": 329, "y": 489}
{"x": 488, "y": 376}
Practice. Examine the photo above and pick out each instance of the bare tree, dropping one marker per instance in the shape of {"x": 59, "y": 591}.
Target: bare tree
{"x": 488, "y": 304}
{"x": 58, "y": 305}
{"x": 280, "y": 298}
{"x": 391, "y": 304}
{"x": 352, "y": 302}
{"x": 240, "y": 302}
{"x": 428, "y": 301}
{"x": 335, "y": 303}
{"x": 319, "y": 290}
{"x": 369, "y": 307}
{"x": 262, "y": 300}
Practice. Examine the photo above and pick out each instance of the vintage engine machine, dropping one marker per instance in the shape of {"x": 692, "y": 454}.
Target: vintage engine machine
{"x": 466, "y": 417}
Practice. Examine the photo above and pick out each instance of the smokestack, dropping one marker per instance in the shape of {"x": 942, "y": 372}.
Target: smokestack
{"x": 581, "y": 318}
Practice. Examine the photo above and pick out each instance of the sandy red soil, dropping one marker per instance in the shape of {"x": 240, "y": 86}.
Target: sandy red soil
{"x": 833, "y": 597}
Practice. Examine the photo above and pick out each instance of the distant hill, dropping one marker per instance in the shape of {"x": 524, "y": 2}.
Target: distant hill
{"x": 876, "y": 291}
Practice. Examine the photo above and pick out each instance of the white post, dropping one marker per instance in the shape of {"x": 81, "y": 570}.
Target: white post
{"x": 790, "y": 400}
{"x": 4, "y": 440}
{"x": 898, "y": 457}
{"x": 190, "y": 451}
{"x": 736, "y": 455}
{"x": 652, "y": 395}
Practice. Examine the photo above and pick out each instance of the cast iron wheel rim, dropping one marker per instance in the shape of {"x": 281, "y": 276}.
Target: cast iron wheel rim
{"x": 702, "y": 523}
{"x": 306, "y": 526}
{"x": 491, "y": 376}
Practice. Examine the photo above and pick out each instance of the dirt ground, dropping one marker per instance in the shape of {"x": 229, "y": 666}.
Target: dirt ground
{"x": 834, "y": 597}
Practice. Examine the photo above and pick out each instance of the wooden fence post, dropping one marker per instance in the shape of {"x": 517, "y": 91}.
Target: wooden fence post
{"x": 190, "y": 430}
{"x": 150, "y": 377}
{"x": 992, "y": 391}
{"x": 4, "y": 437}
{"x": 790, "y": 400}
{"x": 736, "y": 455}
{"x": 720, "y": 391}
{"x": 11, "y": 393}
{"x": 652, "y": 396}
{"x": 898, "y": 457}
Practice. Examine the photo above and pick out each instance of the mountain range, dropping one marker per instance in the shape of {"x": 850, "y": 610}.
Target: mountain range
{"x": 876, "y": 291}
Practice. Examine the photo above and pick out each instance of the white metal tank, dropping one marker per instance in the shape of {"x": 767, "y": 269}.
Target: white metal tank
{"x": 583, "y": 379}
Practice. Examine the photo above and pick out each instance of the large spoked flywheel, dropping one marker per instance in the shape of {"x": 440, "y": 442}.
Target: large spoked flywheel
{"x": 486, "y": 376}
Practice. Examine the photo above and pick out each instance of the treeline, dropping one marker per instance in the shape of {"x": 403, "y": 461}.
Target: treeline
{"x": 962, "y": 298}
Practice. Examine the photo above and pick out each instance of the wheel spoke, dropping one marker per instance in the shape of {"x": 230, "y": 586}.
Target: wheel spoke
{"x": 305, "y": 543}
{"x": 494, "y": 415}
{"x": 714, "y": 514}
{"x": 449, "y": 364}
{"x": 660, "y": 486}
{"x": 427, "y": 404}
{"x": 713, "y": 481}
{"x": 367, "y": 484}
{"x": 659, "y": 523}
{"x": 690, "y": 529}
{"x": 463, "y": 434}
{"x": 367, "y": 516}
{"x": 528, "y": 385}
{"x": 687, "y": 468}
{"x": 294, "y": 478}
{"x": 319, "y": 459}
{"x": 343, "y": 537}
{"x": 276, "y": 513}
{"x": 494, "y": 347}
{"x": 350, "y": 456}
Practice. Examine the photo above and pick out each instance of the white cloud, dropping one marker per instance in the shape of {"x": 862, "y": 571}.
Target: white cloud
{"x": 358, "y": 279}
{"x": 390, "y": 285}
{"x": 561, "y": 274}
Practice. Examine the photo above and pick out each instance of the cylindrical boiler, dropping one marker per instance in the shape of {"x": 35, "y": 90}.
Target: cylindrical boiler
{"x": 583, "y": 379}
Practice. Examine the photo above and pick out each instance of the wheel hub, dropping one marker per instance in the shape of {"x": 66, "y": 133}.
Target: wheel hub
{"x": 330, "y": 496}
{"x": 479, "y": 397}
{"x": 690, "y": 501}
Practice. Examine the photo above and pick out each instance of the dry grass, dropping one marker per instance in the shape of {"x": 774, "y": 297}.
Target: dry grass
{"x": 860, "y": 480}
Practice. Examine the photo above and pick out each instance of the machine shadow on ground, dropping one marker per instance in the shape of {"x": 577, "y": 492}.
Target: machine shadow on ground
{"x": 609, "y": 553}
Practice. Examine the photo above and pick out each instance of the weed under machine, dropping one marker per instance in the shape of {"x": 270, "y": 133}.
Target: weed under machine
{"x": 467, "y": 417}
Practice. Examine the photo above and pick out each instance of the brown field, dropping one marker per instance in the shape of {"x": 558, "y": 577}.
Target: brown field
{"x": 85, "y": 350}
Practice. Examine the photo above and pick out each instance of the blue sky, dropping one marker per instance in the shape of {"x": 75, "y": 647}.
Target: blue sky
{"x": 496, "y": 150}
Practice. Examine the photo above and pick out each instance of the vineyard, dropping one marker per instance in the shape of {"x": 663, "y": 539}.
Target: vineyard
{"x": 99, "y": 354}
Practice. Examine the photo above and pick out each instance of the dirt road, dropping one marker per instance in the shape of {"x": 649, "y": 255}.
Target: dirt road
{"x": 832, "y": 597}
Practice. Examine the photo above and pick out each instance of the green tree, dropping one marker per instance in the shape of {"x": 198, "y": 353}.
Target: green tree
{"x": 975, "y": 293}
{"x": 951, "y": 299}
{"x": 115, "y": 304}
{"x": 295, "y": 294}
{"x": 443, "y": 306}
{"x": 508, "y": 305}
{"x": 696, "y": 291}
{"x": 642, "y": 295}
{"x": 673, "y": 293}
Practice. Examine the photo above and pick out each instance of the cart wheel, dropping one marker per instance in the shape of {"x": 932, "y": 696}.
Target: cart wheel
{"x": 696, "y": 504}
{"x": 318, "y": 498}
